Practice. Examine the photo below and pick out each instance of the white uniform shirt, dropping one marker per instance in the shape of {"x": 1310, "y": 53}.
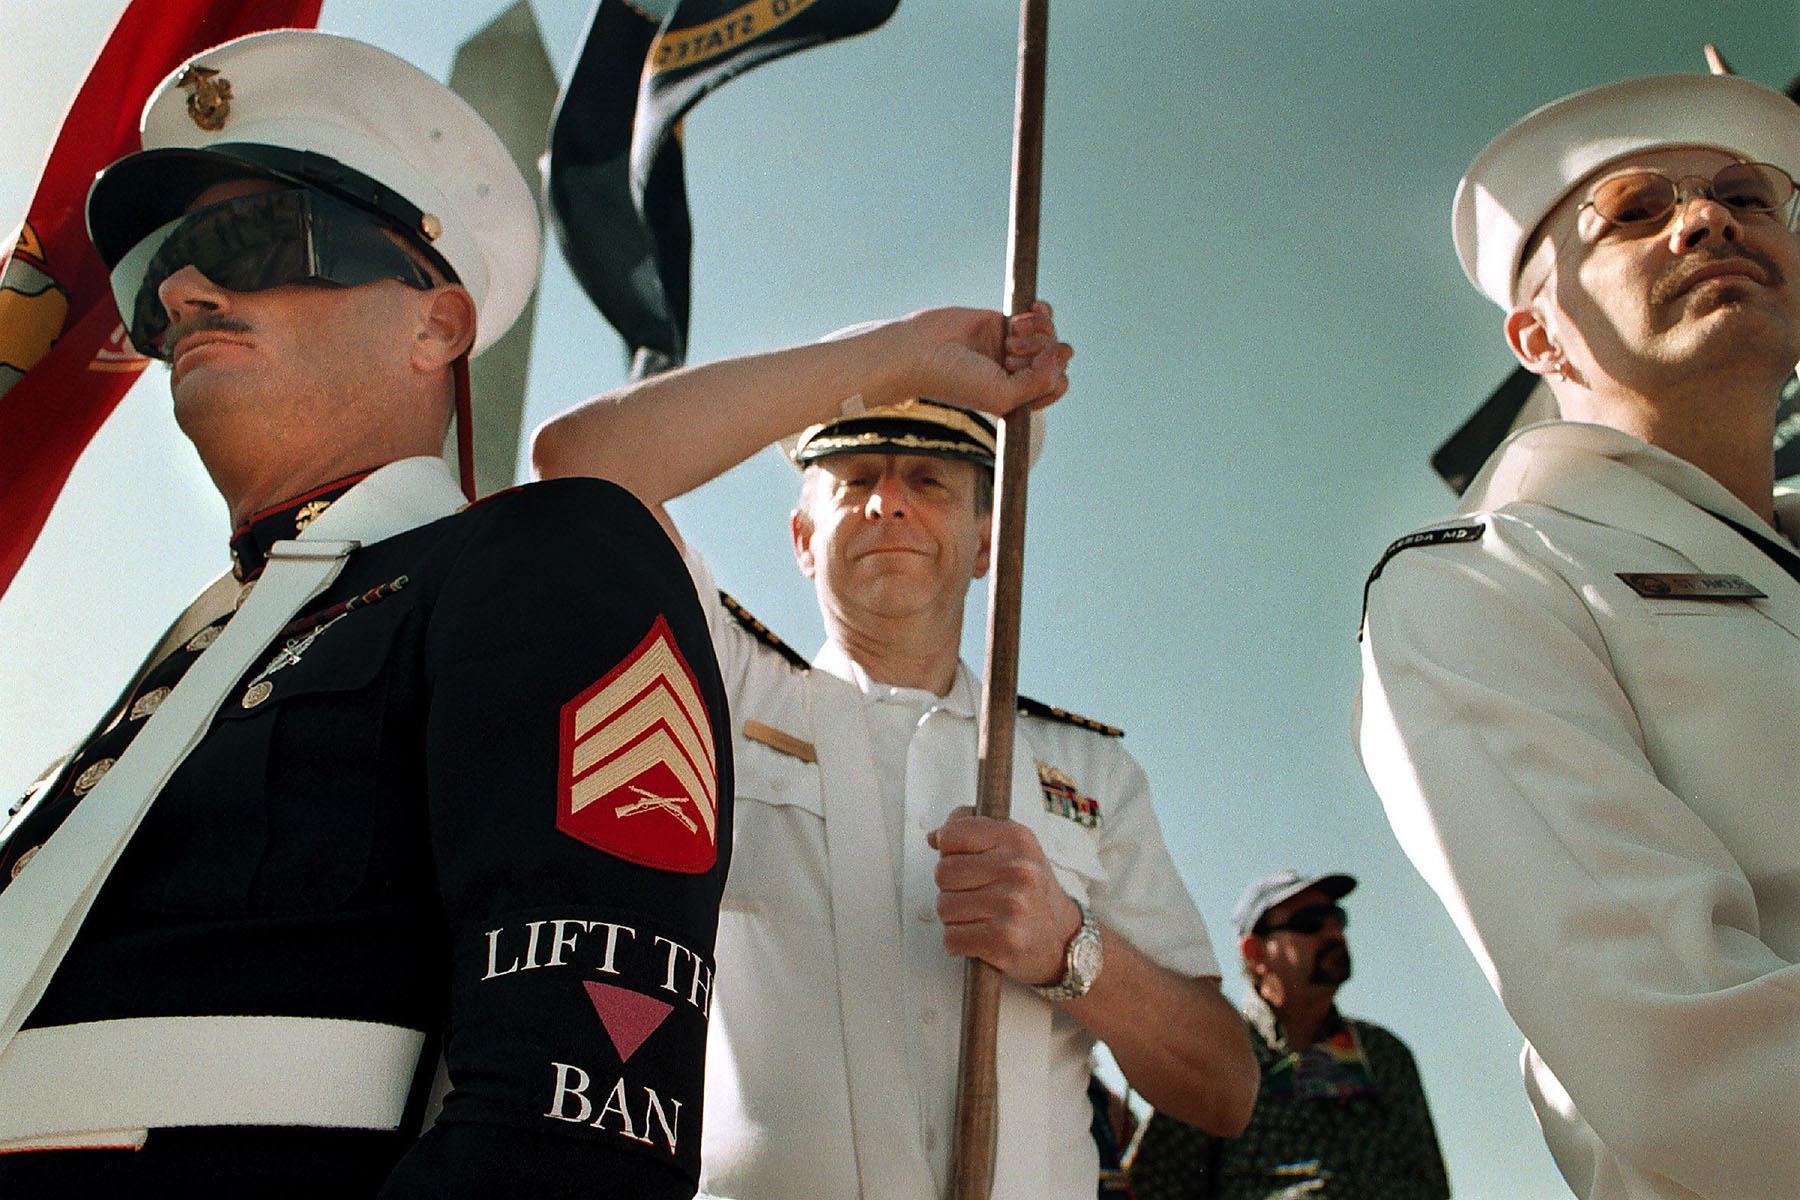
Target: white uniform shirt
{"x": 836, "y": 1011}
{"x": 1604, "y": 789}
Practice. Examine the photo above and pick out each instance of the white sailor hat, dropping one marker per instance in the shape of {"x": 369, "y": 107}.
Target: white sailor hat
{"x": 343, "y": 117}
{"x": 1522, "y": 174}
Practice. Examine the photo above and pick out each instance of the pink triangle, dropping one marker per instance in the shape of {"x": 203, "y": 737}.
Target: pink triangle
{"x": 629, "y": 1016}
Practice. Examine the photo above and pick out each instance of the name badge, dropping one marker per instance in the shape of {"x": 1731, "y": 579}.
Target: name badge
{"x": 1655, "y": 585}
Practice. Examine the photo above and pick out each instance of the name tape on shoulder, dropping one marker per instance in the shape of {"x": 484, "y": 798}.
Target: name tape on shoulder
{"x": 1444, "y": 535}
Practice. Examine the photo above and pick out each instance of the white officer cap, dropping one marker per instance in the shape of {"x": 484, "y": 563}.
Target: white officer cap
{"x": 347, "y": 118}
{"x": 915, "y": 425}
{"x": 1514, "y": 183}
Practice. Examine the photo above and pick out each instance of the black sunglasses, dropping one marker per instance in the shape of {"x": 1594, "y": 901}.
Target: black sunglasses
{"x": 1311, "y": 919}
{"x": 253, "y": 243}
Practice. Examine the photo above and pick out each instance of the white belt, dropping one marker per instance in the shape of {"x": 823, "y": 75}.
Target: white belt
{"x": 42, "y": 910}
{"x": 106, "y": 1083}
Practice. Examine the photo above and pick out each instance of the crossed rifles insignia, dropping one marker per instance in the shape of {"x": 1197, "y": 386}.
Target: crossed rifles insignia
{"x": 638, "y": 774}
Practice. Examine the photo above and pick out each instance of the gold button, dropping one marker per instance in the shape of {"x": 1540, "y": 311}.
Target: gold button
{"x": 84, "y": 783}
{"x": 431, "y": 227}
{"x": 206, "y": 637}
{"x": 148, "y": 703}
{"x": 257, "y": 693}
{"x": 23, "y": 859}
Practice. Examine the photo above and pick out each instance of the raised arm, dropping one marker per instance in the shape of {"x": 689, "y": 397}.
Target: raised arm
{"x": 671, "y": 433}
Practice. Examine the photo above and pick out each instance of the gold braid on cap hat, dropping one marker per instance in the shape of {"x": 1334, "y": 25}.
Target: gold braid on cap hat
{"x": 935, "y": 428}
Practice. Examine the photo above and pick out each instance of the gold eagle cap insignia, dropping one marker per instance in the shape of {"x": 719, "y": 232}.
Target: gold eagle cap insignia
{"x": 209, "y": 96}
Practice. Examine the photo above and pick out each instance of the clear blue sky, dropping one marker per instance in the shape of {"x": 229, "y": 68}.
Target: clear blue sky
{"x": 1246, "y": 235}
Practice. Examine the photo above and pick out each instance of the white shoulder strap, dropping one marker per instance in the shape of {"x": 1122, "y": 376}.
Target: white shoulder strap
{"x": 41, "y": 911}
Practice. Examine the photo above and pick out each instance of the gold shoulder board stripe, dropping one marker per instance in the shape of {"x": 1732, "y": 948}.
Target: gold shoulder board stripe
{"x": 762, "y": 633}
{"x": 1049, "y": 712}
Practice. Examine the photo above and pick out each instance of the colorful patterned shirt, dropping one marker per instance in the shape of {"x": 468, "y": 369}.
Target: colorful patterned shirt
{"x": 1344, "y": 1118}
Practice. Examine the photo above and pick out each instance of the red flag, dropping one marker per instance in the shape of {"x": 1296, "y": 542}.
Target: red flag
{"x": 64, "y": 360}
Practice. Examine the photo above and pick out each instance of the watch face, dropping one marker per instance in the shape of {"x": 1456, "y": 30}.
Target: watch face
{"x": 1085, "y": 957}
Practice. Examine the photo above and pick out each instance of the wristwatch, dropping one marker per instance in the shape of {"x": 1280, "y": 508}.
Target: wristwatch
{"x": 1082, "y": 960}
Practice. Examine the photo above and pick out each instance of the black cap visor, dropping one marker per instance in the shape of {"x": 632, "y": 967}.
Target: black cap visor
{"x": 145, "y": 191}
{"x": 919, "y": 426}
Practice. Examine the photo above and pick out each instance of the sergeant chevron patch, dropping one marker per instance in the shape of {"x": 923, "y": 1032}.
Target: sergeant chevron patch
{"x": 638, "y": 776}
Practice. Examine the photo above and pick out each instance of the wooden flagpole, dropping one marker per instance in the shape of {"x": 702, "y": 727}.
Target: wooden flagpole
{"x": 972, "y": 1153}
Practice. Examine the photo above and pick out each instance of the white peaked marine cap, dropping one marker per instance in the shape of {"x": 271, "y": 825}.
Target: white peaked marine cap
{"x": 342, "y": 116}
{"x": 1521, "y": 175}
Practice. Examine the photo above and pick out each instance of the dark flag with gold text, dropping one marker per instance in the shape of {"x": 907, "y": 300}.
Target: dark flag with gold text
{"x": 629, "y": 252}
{"x": 64, "y": 359}
{"x": 618, "y": 195}
{"x": 706, "y": 43}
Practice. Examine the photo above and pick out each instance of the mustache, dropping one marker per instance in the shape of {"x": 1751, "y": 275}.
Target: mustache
{"x": 1677, "y": 275}
{"x": 1332, "y": 963}
{"x": 202, "y": 323}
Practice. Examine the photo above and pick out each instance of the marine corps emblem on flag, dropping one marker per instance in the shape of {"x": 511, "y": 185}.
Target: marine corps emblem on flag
{"x": 1065, "y": 800}
{"x": 638, "y": 777}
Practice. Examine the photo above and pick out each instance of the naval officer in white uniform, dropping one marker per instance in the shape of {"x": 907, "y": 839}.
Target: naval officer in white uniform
{"x": 860, "y": 879}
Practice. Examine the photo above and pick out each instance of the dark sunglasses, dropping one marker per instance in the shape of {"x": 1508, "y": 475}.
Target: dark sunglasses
{"x": 1311, "y": 919}
{"x": 253, "y": 243}
{"x": 1644, "y": 197}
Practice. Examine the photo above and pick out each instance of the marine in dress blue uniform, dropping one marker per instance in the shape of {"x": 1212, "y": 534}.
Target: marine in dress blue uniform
{"x": 477, "y": 791}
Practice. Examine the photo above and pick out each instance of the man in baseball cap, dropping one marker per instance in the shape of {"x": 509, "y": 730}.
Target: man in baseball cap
{"x": 1340, "y": 1109}
{"x": 1578, "y": 695}
{"x": 418, "y": 791}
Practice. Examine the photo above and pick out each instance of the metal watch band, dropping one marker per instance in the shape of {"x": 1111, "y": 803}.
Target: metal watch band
{"x": 1078, "y": 974}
